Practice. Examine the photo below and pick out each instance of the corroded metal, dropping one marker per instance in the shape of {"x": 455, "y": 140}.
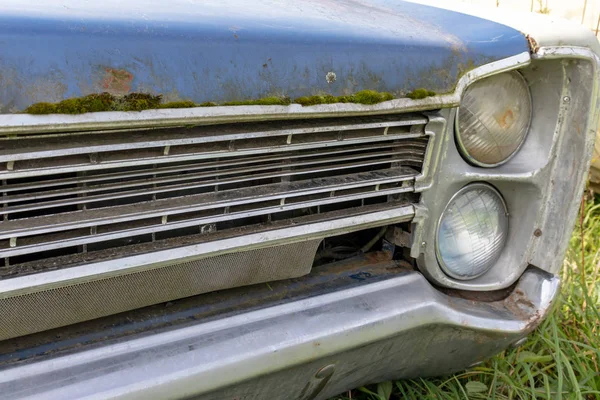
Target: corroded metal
{"x": 354, "y": 272}
{"x": 25, "y": 124}
{"x": 399, "y": 327}
{"x": 264, "y": 48}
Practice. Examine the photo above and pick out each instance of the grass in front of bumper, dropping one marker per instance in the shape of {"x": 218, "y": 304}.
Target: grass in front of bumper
{"x": 561, "y": 359}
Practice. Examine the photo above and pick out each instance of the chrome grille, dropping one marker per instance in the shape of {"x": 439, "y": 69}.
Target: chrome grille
{"x": 67, "y": 194}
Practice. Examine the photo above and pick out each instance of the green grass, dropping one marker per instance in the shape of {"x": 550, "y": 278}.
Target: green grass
{"x": 560, "y": 360}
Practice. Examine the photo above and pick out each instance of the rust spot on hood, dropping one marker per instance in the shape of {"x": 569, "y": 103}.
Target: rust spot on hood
{"x": 117, "y": 81}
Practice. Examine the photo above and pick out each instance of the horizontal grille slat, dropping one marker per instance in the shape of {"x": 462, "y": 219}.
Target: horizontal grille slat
{"x": 416, "y": 144}
{"x": 64, "y": 195}
{"x": 157, "y": 159}
{"x": 248, "y": 174}
{"x": 221, "y": 146}
{"x": 12, "y": 150}
{"x": 11, "y": 252}
{"x": 160, "y": 208}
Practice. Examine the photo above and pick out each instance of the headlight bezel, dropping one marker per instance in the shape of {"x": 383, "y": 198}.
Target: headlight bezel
{"x": 457, "y": 134}
{"x": 547, "y": 160}
{"x": 460, "y": 192}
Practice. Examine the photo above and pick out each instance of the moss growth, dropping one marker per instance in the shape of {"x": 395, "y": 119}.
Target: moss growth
{"x": 314, "y": 100}
{"x": 371, "y": 97}
{"x": 143, "y": 101}
{"x": 265, "y": 101}
{"x": 41, "y": 108}
{"x": 420, "y": 94}
{"x": 96, "y": 103}
{"x": 137, "y": 102}
{"x": 179, "y": 104}
{"x": 70, "y": 106}
{"x": 362, "y": 97}
{"x": 90, "y": 103}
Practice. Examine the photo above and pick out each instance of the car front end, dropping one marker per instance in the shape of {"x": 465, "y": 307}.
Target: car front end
{"x": 278, "y": 200}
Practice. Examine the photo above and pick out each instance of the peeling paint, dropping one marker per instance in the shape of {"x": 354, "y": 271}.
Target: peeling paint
{"x": 117, "y": 81}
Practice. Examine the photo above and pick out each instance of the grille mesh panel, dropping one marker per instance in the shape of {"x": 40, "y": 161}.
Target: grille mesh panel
{"x": 53, "y": 308}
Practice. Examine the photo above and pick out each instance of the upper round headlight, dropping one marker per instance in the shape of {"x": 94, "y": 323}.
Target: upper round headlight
{"x": 493, "y": 119}
{"x": 472, "y": 231}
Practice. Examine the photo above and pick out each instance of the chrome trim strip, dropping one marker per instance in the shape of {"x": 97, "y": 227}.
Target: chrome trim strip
{"x": 140, "y": 188}
{"x": 191, "y": 361}
{"x": 168, "y": 226}
{"x": 554, "y": 52}
{"x": 186, "y": 139}
{"x": 26, "y": 173}
{"x": 570, "y": 52}
{"x": 173, "y": 206}
{"x": 99, "y": 270}
{"x": 94, "y": 179}
{"x": 15, "y": 124}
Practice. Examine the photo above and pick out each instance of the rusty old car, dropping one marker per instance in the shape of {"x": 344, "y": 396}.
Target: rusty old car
{"x": 276, "y": 199}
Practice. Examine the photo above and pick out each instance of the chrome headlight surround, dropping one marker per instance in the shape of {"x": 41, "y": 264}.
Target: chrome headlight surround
{"x": 540, "y": 184}
{"x": 512, "y": 108}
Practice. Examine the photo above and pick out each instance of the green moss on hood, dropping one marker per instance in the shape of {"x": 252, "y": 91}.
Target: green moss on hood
{"x": 98, "y": 102}
{"x": 143, "y": 101}
{"x": 420, "y": 94}
{"x": 362, "y": 97}
{"x": 265, "y": 101}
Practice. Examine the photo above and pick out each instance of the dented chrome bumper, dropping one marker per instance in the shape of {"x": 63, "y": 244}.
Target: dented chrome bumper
{"x": 312, "y": 348}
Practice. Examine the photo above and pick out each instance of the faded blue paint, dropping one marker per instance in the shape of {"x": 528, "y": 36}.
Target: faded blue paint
{"x": 234, "y": 49}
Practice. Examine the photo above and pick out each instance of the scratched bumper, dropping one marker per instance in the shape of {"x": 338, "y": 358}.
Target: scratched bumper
{"x": 312, "y": 348}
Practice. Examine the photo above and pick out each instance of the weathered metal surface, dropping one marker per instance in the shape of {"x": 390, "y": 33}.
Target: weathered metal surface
{"x": 147, "y": 200}
{"x": 236, "y": 50}
{"x": 59, "y": 297}
{"x": 361, "y": 270}
{"x": 398, "y": 327}
{"x": 28, "y": 124}
{"x": 541, "y": 184}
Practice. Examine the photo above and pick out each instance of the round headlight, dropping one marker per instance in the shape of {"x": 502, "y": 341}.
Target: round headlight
{"x": 472, "y": 231}
{"x": 493, "y": 119}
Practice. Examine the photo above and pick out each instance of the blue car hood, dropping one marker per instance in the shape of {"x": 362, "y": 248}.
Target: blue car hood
{"x": 228, "y": 50}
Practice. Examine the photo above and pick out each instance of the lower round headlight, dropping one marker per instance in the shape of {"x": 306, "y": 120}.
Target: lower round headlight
{"x": 472, "y": 231}
{"x": 493, "y": 119}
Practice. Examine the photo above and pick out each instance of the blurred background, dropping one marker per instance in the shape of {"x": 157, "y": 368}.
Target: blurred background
{"x": 586, "y": 12}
